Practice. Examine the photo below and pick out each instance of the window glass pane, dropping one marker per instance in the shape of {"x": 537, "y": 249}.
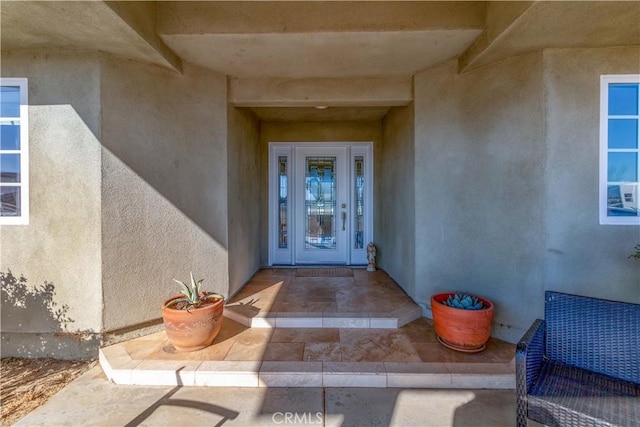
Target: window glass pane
{"x": 622, "y": 167}
{"x": 282, "y": 201}
{"x": 9, "y": 101}
{"x": 622, "y": 200}
{"x": 13, "y": 190}
{"x": 623, "y": 98}
{"x": 9, "y": 136}
{"x": 320, "y": 203}
{"x": 10, "y": 201}
{"x": 9, "y": 167}
{"x": 623, "y": 133}
{"x": 359, "y": 202}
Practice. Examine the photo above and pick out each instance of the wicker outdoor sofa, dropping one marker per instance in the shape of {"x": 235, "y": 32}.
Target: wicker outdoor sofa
{"x": 581, "y": 365}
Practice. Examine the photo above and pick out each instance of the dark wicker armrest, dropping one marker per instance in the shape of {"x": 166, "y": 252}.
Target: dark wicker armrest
{"x": 529, "y": 355}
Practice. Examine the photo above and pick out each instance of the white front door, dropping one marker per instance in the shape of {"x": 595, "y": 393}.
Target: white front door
{"x": 321, "y": 226}
{"x": 320, "y": 203}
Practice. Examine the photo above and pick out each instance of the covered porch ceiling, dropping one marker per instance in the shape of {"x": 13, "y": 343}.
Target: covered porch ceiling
{"x": 327, "y": 43}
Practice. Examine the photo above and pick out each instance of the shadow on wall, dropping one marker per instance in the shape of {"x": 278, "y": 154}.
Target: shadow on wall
{"x": 26, "y": 309}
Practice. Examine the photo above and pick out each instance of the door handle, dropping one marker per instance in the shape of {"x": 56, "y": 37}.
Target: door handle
{"x": 344, "y": 220}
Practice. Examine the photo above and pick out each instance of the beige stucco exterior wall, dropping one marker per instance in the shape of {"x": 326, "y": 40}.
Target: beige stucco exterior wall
{"x": 244, "y": 190}
{"x": 581, "y": 255}
{"x": 164, "y": 181}
{"x": 61, "y": 244}
{"x": 313, "y": 132}
{"x": 479, "y": 186}
{"x": 487, "y": 183}
{"x": 507, "y": 166}
{"x": 396, "y": 229}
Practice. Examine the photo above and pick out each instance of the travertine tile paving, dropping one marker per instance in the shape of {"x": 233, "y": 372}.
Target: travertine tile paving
{"x": 409, "y": 356}
{"x": 415, "y": 342}
{"x": 281, "y": 298}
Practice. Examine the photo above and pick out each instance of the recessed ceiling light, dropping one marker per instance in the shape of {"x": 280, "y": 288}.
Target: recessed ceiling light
{"x": 321, "y": 107}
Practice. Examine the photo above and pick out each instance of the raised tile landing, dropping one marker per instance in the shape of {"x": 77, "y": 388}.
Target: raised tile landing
{"x": 307, "y": 298}
{"x": 287, "y": 352}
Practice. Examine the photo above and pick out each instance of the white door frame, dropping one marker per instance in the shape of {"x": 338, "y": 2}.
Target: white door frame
{"x": 282, "y": 248}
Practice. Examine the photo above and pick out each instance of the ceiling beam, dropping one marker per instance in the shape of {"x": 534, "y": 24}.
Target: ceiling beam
{"x": 314, "y": 92}
{"x": 501, "y": 18}
{"x": 516, "y": 28}
{"x": 126, "y": 29}
{"x": 141, "y": 17}
{"x": 265, "y": 17}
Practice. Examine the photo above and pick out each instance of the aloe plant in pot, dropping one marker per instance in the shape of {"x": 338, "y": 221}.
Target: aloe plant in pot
{"x": 462, "y": 321}
{"x": 192, "y": 319}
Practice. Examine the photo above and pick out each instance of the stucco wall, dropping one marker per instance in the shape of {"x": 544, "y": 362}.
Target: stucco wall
{"x": 244, "y": 190}
{"x": 479, "y": 185}
{"x": 313, "y": 132}
{"x": 140, "y": 175}
{"x": 396, "y": 233}
{"x": 164, "y": 192}
{"x": 582, "y": 256}
{"x": 61, "y": 244}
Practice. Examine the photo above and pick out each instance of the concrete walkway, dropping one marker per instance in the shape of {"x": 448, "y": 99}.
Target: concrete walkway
{"x": 92, "y": 400}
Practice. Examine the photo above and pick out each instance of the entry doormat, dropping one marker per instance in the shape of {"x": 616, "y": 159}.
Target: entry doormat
{"x": 324, "y": 272}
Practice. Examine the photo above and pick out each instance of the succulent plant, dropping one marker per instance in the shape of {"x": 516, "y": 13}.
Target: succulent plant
{"x": 464, "y": 301}
{"x": 193, "y": 297}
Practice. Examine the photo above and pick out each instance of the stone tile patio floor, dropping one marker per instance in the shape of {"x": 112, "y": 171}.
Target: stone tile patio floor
{"x": 286, "y": 330}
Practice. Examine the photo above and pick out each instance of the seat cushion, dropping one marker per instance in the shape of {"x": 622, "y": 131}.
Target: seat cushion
{"x": 566, "y": 396}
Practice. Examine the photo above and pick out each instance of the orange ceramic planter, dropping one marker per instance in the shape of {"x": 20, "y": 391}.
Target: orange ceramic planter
{"x": 195, "y": 329}
{"x": 459, "y": 329}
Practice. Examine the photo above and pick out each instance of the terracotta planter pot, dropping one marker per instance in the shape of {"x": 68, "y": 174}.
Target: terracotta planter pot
{"x": 459, "y": 329}
{"x": 195, "y": 329}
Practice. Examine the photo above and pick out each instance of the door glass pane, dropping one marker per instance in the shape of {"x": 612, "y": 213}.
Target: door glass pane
{"x": 359, "y": 202}
{"x": 9, "y": 201}
{"x": 283, "y": 201}
{"x": 320, "y": 203}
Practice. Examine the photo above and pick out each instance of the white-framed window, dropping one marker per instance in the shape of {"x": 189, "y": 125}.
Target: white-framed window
{"x": 14, "y": 151}
{"x": 619, "y": 149}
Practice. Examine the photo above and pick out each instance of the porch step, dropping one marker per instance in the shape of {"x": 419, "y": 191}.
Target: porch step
{"x": 120, "y": 368}
{"x": 288, "y": 329}
{"x": 248, "y": 316}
